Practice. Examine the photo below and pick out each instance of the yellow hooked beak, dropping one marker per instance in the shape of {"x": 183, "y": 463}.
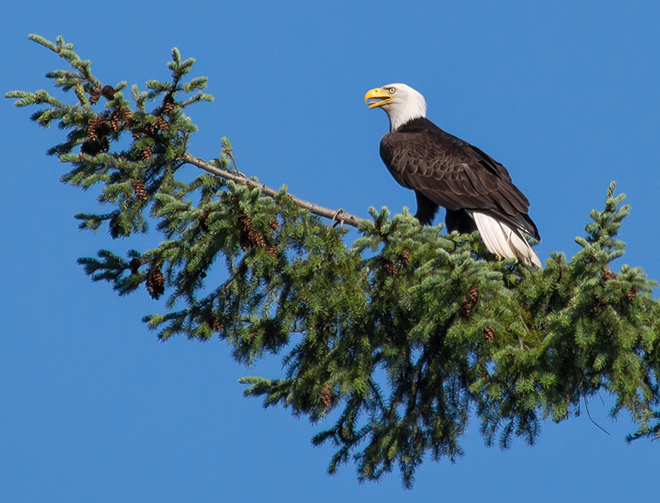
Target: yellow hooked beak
{"x": 377, "y": 97}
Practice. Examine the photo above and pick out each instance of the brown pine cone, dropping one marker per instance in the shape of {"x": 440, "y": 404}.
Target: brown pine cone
{"x": 145, "y": 153}
{"x": 126, "y": 116}
{"x": 607, "y": 274}
{"x": 115, "y": 120}
{"x": 155, "y": 283}
{"x": 256, "y": 239}
{"x": 489, "y": 333}
{"x": 161, "y": 124}
{"x": 632, "y": 293}
{"x": 389, "y": 267}
{"x": 94, "y": 96}
{"x": 95, "y": 127}
{"x": 473, "y": 293}
{"x": 466, "y": 307}
{"x": 275, "y": 224}
{"x": 405, "y": 258}
{"x": 168, "y": 105}
{"x": 246, "y": 223}
{"x": 215, "y": 324}
{"x": 272, "y": 249}
{"x": 108, "y": 92}
{"x": 326, "y": 397}
{"x": 140, "y": 191}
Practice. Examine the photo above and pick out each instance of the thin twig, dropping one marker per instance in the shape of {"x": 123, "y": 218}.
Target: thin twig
{"x": 586, "y": 406}
{"x": 230, "y": 153}
{"x": 321, "y": 211}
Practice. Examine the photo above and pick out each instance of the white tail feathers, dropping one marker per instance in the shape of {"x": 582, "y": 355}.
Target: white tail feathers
{"x": 504, "y": 241}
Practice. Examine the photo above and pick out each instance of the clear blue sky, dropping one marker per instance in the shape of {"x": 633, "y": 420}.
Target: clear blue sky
{"x": 95, "y": 409}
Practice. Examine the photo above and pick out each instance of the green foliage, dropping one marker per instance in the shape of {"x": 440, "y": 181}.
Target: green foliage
{"x": 402, "y": 336}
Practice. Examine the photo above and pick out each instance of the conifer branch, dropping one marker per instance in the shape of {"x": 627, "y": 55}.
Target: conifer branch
{"x": 406, "y": 333}
{"x": 335, "y": 215}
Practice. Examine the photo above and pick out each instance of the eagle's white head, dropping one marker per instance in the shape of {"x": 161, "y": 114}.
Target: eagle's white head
{"x": 401, "y": 102}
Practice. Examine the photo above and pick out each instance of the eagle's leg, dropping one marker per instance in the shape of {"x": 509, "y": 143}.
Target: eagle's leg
{"x": 460, "y": 221}
{"x": 426, "y": 209}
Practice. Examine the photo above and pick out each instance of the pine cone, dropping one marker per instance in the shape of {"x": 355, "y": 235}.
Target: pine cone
{"x": 155, "y": 282}
{"x": 250, "y": 238}
{"x": 473, "y": 293}
{"x": 98, "y": 129}
{"x": 95, "y": 128}
{"x": 256, "y": 239}
{"x": 466, "y": 307}
{"x": 404, "y": 258}
{"x": 272, "y": 249}
{"x": 145, "y": 153}
{"x": 135, "y": 264}
{"x": 489, "y": 333}
{"x": 215, "y": 324}
{"x": 275, "y": 224}
{"x": 326, "y": 397}
{"x": 607, "y": 274}
{"x": 632, "y": 293}
{"x": 94, "y": 96}
{"x": 79, "y": 90}
{"x": 160, "y": 125}
{"x": 168, "y": 105}
{"x": 114, "y": 121}
{"x": 246, "y": 223}
{"x": 140, "y": 190}
{"x": 126, "y": 116}
{"x": 389, "y": 267}
{"x": 108, "y": 92}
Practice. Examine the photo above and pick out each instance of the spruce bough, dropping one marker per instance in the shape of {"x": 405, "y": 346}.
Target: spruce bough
{"x": 423, "y": 331}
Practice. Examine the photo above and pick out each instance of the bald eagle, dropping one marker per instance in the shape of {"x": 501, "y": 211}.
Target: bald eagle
{"x": 443, "y": 170}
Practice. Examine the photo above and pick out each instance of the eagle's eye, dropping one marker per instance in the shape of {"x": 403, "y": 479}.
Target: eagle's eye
{"x": 392, "y": 90}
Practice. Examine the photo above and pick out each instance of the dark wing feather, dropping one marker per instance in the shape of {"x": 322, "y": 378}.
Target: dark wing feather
{"x": 453, "y": 174}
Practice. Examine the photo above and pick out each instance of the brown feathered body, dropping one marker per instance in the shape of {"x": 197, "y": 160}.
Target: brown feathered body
{"x": 446, "y": 171}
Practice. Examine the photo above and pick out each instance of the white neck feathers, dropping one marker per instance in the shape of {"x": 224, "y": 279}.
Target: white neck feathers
{"x": 406, "y": 105}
